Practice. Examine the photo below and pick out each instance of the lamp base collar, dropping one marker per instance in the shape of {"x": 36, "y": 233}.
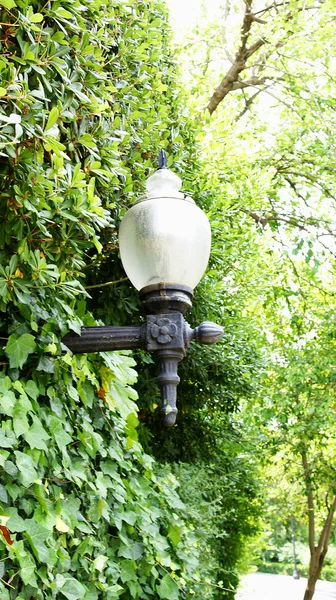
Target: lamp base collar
{"x": 166, "y": 298}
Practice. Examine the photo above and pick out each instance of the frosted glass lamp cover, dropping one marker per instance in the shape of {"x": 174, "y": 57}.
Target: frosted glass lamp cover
{"x": 164, "y": 237}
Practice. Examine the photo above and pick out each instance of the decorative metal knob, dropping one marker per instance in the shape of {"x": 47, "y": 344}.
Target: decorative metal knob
{"x": 207, "y": 333}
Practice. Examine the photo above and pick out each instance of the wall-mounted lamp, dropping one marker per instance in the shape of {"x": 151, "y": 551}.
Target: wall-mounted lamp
{"x": 164, "y": 242}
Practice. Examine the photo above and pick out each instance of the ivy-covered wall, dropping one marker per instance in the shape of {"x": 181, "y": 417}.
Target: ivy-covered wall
{"x": 86, "y": 94}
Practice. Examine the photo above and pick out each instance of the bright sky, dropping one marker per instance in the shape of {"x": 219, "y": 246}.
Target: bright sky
{"x": 186, "y": 13}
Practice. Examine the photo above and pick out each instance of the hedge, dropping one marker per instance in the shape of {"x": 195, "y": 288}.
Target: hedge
{"x": 85, "y": 99}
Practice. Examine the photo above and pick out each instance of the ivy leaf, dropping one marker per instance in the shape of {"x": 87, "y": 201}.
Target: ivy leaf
{"x": 37, "y": 435}
{"x": 25, "y": 465}
{"x": 99, "y": 562}
{"x": 129, "y": 517}
{"x": 20, "y": 423}
{"x": 37, "y": 535}
{"x": 2, "y": 570}
{"x": 128, "y": 571}
{"x": 18, "y": 349}
{"x": 28, "y": 569}
{"x": 61, "y": 436}
{"x": 168, "y": 590}
{"x": 174, "y": 534}
{"x": 73, "y": 589}
{"x": 7, "y": 438}
{"x": 31, "y": 389}
{"x": 8, "y": 3}
{"x": 3, "y": 494}
{"x": 134, "y": 551}
{"x": 16, "y": 524}
{"x": 92, "y": 593}
{"x": 46, "y": 365}
{"x": 3, "y": 456}
{"x": 61, "y": 526}
{"x": 115, "y": 591}
{"x": 7, "y": 404}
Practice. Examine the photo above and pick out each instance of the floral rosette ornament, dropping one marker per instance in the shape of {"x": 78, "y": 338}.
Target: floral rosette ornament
{"x": 163, "y": 331}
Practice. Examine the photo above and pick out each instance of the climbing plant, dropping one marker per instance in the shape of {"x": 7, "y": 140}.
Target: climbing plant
{"x": 84, "y": 102}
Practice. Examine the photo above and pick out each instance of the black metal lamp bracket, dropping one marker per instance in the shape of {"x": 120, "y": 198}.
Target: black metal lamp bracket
{"x": 166, "y": 335}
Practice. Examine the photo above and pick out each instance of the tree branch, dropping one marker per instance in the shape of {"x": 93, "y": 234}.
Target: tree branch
{"x": 100, "y": 285}
{"x": 239, "y": 85}
{"x": 310, "y": 499}
{"x": 322, "y": 546}
{"x": 248, "y": 103}
{"x": 230, "y": 81}
{"x": 263, "y": 221}
{"x": 239, "y": 64}
{"x": 252, "y": 49}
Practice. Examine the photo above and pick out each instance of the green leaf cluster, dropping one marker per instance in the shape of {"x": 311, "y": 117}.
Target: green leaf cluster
{"x": 86, "y": 514}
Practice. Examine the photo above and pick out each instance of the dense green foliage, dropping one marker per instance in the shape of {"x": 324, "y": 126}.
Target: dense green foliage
{"x": 275, "y": 556}
{"x": 221, "y": 499}
{"x": 271, "y": 146}
{"x": 87, "y": 96}
{"x": 83, "y": 513}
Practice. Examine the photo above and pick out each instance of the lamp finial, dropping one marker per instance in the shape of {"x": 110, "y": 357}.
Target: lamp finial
{"x": 163, "y": 160}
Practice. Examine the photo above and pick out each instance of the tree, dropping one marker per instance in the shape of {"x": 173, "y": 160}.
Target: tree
{"x": 265, "y": 37}
{"x": 273, "y": 82}
{"x": 296, "y": 411}
{"x": 273, "y": 165}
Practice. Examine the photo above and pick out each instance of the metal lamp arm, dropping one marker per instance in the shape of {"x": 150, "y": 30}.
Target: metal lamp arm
{"x": 166, "y": 335}
{"x": 105, "y": 337}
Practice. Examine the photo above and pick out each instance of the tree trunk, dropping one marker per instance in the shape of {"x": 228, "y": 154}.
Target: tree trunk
{"x": 315, "y": 567}
{"x": 310, "y": 589}
{"x": 317, "y": 553}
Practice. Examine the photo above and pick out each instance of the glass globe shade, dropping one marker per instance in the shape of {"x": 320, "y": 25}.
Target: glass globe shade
{"x": 164, "y": 237}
